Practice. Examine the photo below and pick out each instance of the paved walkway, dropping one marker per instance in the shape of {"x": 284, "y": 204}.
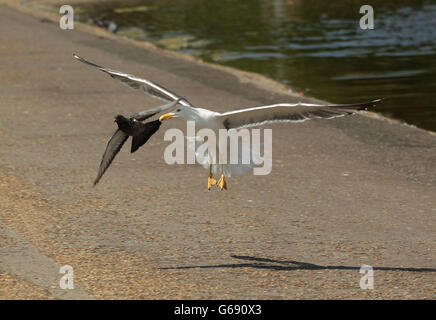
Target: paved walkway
{"x": 342, "y": 193}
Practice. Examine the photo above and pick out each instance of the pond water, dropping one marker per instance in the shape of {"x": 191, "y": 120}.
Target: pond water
{"x": 316, "y": 47}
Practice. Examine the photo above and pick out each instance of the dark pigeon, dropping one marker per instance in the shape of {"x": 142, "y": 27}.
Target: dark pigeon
{"x": 140, "y": 133}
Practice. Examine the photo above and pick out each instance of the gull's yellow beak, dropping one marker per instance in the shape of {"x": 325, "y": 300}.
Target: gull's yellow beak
{"x": 166, "y": 116}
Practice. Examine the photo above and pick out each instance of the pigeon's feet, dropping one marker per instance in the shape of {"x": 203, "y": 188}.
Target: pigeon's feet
{"x": 210, "y": 182}
{"x": 222, "y": 182}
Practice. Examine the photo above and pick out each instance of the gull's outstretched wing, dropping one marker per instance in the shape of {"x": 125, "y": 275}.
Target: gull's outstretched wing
{"x": 113, "y": 146}
{"x": 150, "y": 88}
{"x": 143, "y": 115}
{"x": 285, "y": 112}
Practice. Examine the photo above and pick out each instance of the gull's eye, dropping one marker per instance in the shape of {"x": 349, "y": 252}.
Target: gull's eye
{"x": 178, "y": 110}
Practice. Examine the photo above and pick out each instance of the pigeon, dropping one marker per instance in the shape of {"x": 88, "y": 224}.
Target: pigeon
{"x": 134, "y": 127}
{"x": 139, "y": 131}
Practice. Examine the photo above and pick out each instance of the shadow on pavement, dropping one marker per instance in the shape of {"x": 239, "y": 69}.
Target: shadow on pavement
{"x": 271, "y": 264}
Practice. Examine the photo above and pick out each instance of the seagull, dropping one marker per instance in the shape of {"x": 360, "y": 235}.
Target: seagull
{"x": 204, "y": 118}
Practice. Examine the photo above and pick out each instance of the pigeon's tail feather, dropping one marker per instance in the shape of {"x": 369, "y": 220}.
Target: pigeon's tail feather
{"x": 146, "y": 131}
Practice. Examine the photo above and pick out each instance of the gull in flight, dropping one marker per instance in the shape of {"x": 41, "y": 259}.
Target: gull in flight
{"x": 203, "y": 118}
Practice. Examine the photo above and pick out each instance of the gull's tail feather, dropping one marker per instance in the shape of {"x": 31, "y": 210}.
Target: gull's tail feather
{"x": 227, "y": 165}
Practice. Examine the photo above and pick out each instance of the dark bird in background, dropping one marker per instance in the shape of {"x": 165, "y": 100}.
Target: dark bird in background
{"x": 106, "y": 24}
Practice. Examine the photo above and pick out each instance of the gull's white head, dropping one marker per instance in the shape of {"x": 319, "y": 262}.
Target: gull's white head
{"x": 184, "y": 112}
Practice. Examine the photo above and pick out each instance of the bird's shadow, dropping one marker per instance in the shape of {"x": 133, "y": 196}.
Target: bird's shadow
{"x": 289, "y": 265}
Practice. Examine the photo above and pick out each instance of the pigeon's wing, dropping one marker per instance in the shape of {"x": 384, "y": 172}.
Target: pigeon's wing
{"x": 146, "y": 131}
{"x": 113, "y": 146}
{"x": 150, "y": 88}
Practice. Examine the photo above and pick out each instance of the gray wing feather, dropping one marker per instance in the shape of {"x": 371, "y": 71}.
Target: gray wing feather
{"x": 285, "y": 112}
{"x": 150, "y": 88}
{"x": 113, "y": 146}
{"x": 143, "y": 115}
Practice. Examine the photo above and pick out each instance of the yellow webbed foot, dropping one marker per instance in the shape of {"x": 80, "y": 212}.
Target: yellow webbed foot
{"x": 222, "y": 182}
{"x": 210, "y": 182}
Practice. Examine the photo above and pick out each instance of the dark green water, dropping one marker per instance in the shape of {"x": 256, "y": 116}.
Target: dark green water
{"x": 316, "y": 47}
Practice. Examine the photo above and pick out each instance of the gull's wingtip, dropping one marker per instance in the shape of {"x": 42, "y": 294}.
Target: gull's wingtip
{"x": 376, "y": 101}
{"x": 87, "y": 62}
{"x": 372, "y": 103}
{"x": 79, "y": 58}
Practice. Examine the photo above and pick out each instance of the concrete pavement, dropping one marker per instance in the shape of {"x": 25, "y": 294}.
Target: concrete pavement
{"x": 342, "y": 193}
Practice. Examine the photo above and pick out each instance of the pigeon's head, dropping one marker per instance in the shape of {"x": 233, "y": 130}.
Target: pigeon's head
{"x": 122, "y": 122}
{"x": 121, "y": 119}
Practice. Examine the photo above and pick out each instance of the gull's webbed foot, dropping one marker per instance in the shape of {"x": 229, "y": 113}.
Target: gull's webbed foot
{"x": 210, "y": 182}
{"x": 222, "y": 182}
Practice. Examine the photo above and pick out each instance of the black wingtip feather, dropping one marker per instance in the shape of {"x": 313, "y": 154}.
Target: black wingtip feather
{"x": 373, "y": 103}
{"x": 86, "y": 61}
{"x": 358, "y": 106}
